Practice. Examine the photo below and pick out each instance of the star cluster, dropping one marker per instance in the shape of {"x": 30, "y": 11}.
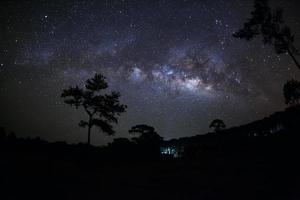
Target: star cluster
{"x": 175, "y": 64}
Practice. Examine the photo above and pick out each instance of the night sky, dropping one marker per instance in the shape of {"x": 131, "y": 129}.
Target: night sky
{"x": 175, "y": 63}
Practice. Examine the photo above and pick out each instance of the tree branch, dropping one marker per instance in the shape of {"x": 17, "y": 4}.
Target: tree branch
{"x": 293, "y": 57}
{"x": 87, "y": 111}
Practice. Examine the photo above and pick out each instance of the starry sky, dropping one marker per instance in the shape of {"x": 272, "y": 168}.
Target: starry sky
{"x": 175, "y": 64}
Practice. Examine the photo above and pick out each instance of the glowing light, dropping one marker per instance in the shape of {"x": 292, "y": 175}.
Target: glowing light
{"x": 170, "y": 72}
{"x": 171, "y": 78}
{"x": 208, "y": 87}
{"x": 168, "y": 150}
{"x": 157, "y": 75}
{"x": 137, "y": 74}
{"x": 192, "y": 84}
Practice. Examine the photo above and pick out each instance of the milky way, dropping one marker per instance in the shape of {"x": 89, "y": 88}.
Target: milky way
{"x": 175, "y": 64}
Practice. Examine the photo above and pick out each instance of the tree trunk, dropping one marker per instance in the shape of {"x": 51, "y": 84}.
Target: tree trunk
{"x": 294, "y": 59}
{"x": 89, "y": 131}
{"x": 89, "y": 136}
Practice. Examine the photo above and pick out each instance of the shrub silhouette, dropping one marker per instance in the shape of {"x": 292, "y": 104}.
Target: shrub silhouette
{"x": 217, "y": 125}
{"x": 148, "y": 141}
{"x": 270, "y": 25}
{"x": 102, "y": 109}
{"x": 147, "y": 134}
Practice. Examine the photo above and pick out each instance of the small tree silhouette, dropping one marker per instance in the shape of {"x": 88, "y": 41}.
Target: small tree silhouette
{"x": 217, "y": 125}
{"x": 147, "y": 134}
{"x": 291, "y": 92}
{"x": 270, "y": 24}
{"x": 102, "y": 109}
{"x": 148, "y": 141}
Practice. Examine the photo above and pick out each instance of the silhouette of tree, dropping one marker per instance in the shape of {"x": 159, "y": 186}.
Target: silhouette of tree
{"x": 121, "y": 142}
{"x": 291, "y": 92}
{"x": 102, "y": 109}
{"x": 217, "y": 125}
{"x": 270, "y": 24}
{"x": 147, "y": 134}
{"x": 148, "y": 142}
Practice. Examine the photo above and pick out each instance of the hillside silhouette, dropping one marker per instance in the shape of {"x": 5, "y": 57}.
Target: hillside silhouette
{"x": 253, "y": 161}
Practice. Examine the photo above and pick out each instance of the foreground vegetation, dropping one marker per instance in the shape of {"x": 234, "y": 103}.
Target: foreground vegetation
{"x": 246, "y": 168}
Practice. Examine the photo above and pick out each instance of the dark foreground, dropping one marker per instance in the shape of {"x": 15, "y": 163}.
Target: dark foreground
{"x": 252, "y": 172}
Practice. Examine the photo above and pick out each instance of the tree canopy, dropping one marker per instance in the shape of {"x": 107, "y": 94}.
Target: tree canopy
{"x": 147, "y": 134}
{"x": 269, "y": 23}
{"x": 217, "y": 125}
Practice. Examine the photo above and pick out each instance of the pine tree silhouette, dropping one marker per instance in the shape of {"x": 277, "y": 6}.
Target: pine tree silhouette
{"x": 102, "y": 109}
